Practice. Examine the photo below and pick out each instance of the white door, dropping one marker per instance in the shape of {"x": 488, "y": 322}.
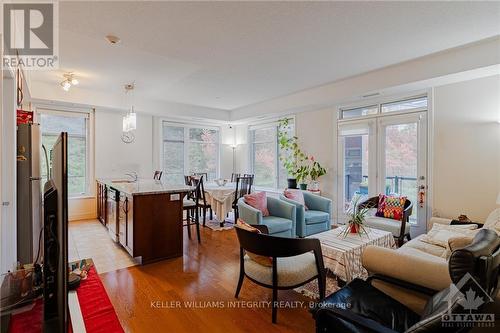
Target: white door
{"x": 384, "y": 155}
{"x": 402, "y": 167}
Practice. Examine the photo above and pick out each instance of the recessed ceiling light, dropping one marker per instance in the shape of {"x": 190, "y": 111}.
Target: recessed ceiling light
{"x": 113, "y": 39}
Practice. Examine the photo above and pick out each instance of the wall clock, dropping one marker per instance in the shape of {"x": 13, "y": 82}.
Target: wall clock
{"x": 128, "y": 137}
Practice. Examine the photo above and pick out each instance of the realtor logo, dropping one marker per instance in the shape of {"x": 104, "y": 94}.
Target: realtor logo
{"x": 470, "y": 296}
{"x": 30, "y": 33}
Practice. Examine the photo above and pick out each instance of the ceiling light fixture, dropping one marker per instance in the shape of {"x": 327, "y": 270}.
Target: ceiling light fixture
{"x": 69, "y": 80}
{"x": 113, "y": 39}
{"x": 130, "y": 119}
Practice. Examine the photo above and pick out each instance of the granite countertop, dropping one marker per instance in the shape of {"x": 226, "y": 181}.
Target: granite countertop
{"x": 144, "y": 186}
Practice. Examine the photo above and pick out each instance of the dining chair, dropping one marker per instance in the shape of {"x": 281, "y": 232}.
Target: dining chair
{"x": 243, "y": 186}
{"x": 201, "y": 174}
{"x": 190, "y": 205}
{"x": 202, "y": 203}
{"x": 157, "y": 175}
{"x": 291, "y": 262}
{"x": 234, "y": 176}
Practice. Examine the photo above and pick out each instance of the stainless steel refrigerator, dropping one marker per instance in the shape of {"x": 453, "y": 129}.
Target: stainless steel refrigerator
{"x": 29, "y": 197}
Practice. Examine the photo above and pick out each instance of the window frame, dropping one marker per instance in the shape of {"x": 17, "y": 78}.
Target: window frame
{"x": 186, "y": 143}
{"x": 88, "y": 115}
{"x": 251, "y": 151}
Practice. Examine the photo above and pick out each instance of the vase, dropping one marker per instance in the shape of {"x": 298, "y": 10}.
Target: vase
{"x": 303, "y": 187}
{"x": 314, "y": 185}
{"x": 292, "y": 183}
{"x": 354, "y": 228}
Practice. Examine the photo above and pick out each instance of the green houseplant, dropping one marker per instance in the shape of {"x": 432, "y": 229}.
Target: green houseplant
{"x": 356, "y": 219}
{"x": 315, "y": 172}
{"x": 292, "y": 157}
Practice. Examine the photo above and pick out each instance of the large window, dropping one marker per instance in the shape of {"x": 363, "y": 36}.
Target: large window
{"x": 265, "y": 156}
{"x": 76, "y": 124}
{"x": 187, "y": 150}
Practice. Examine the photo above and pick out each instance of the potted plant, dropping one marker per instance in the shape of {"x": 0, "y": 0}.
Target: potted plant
{"x": 356, "y": 218}
{"x": 301, "y": 174}
{"x": 291, "y": 155}
{"x": 315, "y": 172}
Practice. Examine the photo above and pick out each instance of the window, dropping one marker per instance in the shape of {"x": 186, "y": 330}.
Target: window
{"x": 187, "y": 150}
{"x": 405, "y": 105}
{"x": 359, "y": 112}
{"x": 266, "y": 165}
{"x": 410, "y": 104}
{"x": 52, "y": 123}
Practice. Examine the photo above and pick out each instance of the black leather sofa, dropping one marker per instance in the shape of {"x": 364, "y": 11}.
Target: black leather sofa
{"x": 359, "y": 307}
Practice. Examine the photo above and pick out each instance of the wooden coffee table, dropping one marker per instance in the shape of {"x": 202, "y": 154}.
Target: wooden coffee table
{"x": 342, "y": 255}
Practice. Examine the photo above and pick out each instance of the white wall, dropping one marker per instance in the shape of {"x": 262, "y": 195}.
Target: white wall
{"x": 467, "y": 148}
{"x": 113, "y": 157}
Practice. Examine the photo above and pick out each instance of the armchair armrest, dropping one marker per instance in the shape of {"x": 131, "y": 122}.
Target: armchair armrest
{"x": 299, "y": 215}
{"x": 280, "y": 208}
{"x": 316, "y": 202}
{"x": 421, "y": 271}
{"x": 249, "y": 214}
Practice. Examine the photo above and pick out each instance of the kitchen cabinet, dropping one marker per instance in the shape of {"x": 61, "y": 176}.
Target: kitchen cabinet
{"x": 129, "y": 206}
{"x": 101, "y": 202}
{"x": 112, "y": 204}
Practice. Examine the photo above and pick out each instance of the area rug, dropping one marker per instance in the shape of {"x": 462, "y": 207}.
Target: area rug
{"x": 311, "y": 289}
{"x": 215, "y": 225}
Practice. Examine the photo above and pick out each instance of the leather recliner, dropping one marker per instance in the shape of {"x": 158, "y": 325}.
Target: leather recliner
{"x": 359, "y": 307}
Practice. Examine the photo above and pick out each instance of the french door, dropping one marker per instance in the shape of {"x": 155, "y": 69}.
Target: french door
{"x": 386, "y": 154}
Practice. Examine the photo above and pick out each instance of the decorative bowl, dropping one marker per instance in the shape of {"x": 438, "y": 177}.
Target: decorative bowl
{"x": 221, "y": 182}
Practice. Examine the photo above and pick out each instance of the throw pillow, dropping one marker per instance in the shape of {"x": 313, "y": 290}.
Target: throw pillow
{"x": 440, "y": 234}
{"x": 261, "y": 260}
{"x": 391, "y": 207}
{"x": 257, "y": 200}
{"x": 455, "y": 243}
{"x": 295, "y": 195}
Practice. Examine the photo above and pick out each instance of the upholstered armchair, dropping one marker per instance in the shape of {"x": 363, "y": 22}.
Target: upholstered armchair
{"x": 280, "y": 222}
{"x": 317, "y": 218}
{"x": 399, "y": 228}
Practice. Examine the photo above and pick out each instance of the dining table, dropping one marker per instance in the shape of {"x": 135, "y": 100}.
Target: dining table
{"x": 220, "y": 198}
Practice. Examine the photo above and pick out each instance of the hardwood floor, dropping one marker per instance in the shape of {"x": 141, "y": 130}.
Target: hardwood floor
{"x": 145, "y": 296}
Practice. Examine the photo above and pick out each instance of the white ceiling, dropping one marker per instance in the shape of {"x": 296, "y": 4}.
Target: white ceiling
{"x": 228, "y": 55}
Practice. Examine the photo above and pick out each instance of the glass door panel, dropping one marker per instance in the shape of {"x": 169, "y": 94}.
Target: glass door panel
{"x": 355, "y": 167}
{"x": 401, "y": 156}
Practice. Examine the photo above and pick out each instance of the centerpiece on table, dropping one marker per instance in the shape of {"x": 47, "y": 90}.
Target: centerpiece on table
{"x": 356, "y": 219}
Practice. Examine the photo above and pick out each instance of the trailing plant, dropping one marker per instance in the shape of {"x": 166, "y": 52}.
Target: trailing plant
{"x": 293, "y": 158}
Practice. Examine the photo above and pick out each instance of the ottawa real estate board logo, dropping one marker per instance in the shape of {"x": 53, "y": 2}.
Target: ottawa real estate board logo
{"x": 468, "y": 299}
{"x": 30, "y": 33}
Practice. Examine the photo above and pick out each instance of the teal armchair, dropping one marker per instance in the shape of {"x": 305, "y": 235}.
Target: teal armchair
{"x": 314, "y": 220}
{"x": 281, "y": 219}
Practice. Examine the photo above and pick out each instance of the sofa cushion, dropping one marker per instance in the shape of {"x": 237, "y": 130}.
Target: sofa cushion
{"x": 276, "y": 224}
{"x": 291, "y": 270}
{"x": 493, "y": 221}
{"x": 315, "y": 216}
{"x": 422, "y": 249}
{"x": 439, "y": 234}
{"x": 385, "y": 224}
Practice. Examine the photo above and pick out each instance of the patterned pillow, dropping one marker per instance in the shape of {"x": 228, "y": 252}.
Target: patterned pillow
{"x": 390, "y": 206}
{"x": 262, "y": 260}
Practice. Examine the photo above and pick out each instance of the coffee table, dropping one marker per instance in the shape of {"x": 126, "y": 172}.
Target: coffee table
{"x": 342, "y": 255}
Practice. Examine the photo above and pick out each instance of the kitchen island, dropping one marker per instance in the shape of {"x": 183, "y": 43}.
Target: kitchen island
{"x": 144, "y": 216}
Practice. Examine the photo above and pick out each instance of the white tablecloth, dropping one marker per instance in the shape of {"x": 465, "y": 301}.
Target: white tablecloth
{"x": 220, "y": 198}
{"x": 343, "y": 255}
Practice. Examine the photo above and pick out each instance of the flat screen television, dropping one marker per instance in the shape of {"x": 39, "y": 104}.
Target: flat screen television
{"x": 55, "y": 261}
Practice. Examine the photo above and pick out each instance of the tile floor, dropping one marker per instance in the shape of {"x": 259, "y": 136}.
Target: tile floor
{"x": 90, "y": 239}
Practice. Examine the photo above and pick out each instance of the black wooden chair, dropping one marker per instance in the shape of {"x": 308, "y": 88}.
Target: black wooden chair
{"x": 190, "y": 205}
{"x": 379, "y": 223}
{"x": 202, "y": 203}
{"x": 295, "y": 262}
{"x": 201, "y": 174}
{"x": 157, "y": 175}
{"x": 234, "y": 176}
{"x": 243, "y": 186}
